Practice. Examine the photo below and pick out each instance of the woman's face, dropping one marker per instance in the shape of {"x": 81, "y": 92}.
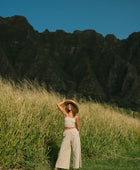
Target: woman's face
{"x": 69, "y": 107}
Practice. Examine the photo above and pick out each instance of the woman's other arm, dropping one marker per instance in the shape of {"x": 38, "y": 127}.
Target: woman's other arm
{"x": 78, "y": 123}
{"x": 61, "y": 108}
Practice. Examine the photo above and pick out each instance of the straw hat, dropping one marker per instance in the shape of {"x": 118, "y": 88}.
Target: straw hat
{"x": 73, "y": 103}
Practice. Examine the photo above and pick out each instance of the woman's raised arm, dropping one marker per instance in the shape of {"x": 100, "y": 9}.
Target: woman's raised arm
{"x": 61, "y": 108}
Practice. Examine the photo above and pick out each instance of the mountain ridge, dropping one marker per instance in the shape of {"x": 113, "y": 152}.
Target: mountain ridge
{"x": 82, "y": 63}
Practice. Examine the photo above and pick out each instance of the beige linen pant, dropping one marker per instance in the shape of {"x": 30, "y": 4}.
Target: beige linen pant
{"x": 71, "y": 139}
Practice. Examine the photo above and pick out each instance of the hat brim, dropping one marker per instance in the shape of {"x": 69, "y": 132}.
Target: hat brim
{"x": 73, "y": 103}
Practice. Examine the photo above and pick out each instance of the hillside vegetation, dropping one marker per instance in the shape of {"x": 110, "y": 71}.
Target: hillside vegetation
{"x": 31, "y": 127}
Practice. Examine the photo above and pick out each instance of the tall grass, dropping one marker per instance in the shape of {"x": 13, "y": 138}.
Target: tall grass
{"x": 31, "y": 127}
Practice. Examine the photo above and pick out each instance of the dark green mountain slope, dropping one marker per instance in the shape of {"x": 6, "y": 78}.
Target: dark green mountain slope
{"x": 83, "y": 63}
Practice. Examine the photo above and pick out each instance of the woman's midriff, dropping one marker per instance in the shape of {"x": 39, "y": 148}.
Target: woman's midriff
{"x": 69, "y": 128}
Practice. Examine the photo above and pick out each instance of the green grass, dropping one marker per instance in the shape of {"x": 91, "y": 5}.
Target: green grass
{"x": 126, "y": 161}
{"x": 31, "y": 128}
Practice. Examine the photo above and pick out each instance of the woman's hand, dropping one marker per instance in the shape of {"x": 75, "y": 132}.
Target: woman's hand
{"x": 65, "y": 101}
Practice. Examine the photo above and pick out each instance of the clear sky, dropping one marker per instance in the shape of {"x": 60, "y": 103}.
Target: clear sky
{"x": 118, "y": 17}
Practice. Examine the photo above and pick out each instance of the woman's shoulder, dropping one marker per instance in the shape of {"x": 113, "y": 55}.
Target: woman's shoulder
{"x": 76, "y": 117}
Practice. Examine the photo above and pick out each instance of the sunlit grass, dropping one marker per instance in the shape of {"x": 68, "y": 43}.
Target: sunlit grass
{"x": 31, "y": 127}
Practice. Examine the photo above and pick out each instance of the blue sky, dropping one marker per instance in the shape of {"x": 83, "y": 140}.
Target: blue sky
{"x": 118, "y": 17}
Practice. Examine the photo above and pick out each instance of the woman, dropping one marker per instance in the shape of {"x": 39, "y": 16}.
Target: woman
{"x": 71, "y": 136}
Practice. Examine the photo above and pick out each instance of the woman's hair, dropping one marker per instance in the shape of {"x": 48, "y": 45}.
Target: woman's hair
{"x": 74, "y": 110}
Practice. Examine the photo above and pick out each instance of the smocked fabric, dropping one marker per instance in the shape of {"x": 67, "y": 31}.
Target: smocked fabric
{"x": 71, "y": 139}
{"x": 69, "y": 122}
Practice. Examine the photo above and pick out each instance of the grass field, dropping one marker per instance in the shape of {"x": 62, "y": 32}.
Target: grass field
{"x": 31, "y": 128}
{"x": 126, "y": 161}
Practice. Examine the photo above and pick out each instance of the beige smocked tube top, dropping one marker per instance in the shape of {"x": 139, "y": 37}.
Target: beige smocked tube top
{"x": 69, "y": 122}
